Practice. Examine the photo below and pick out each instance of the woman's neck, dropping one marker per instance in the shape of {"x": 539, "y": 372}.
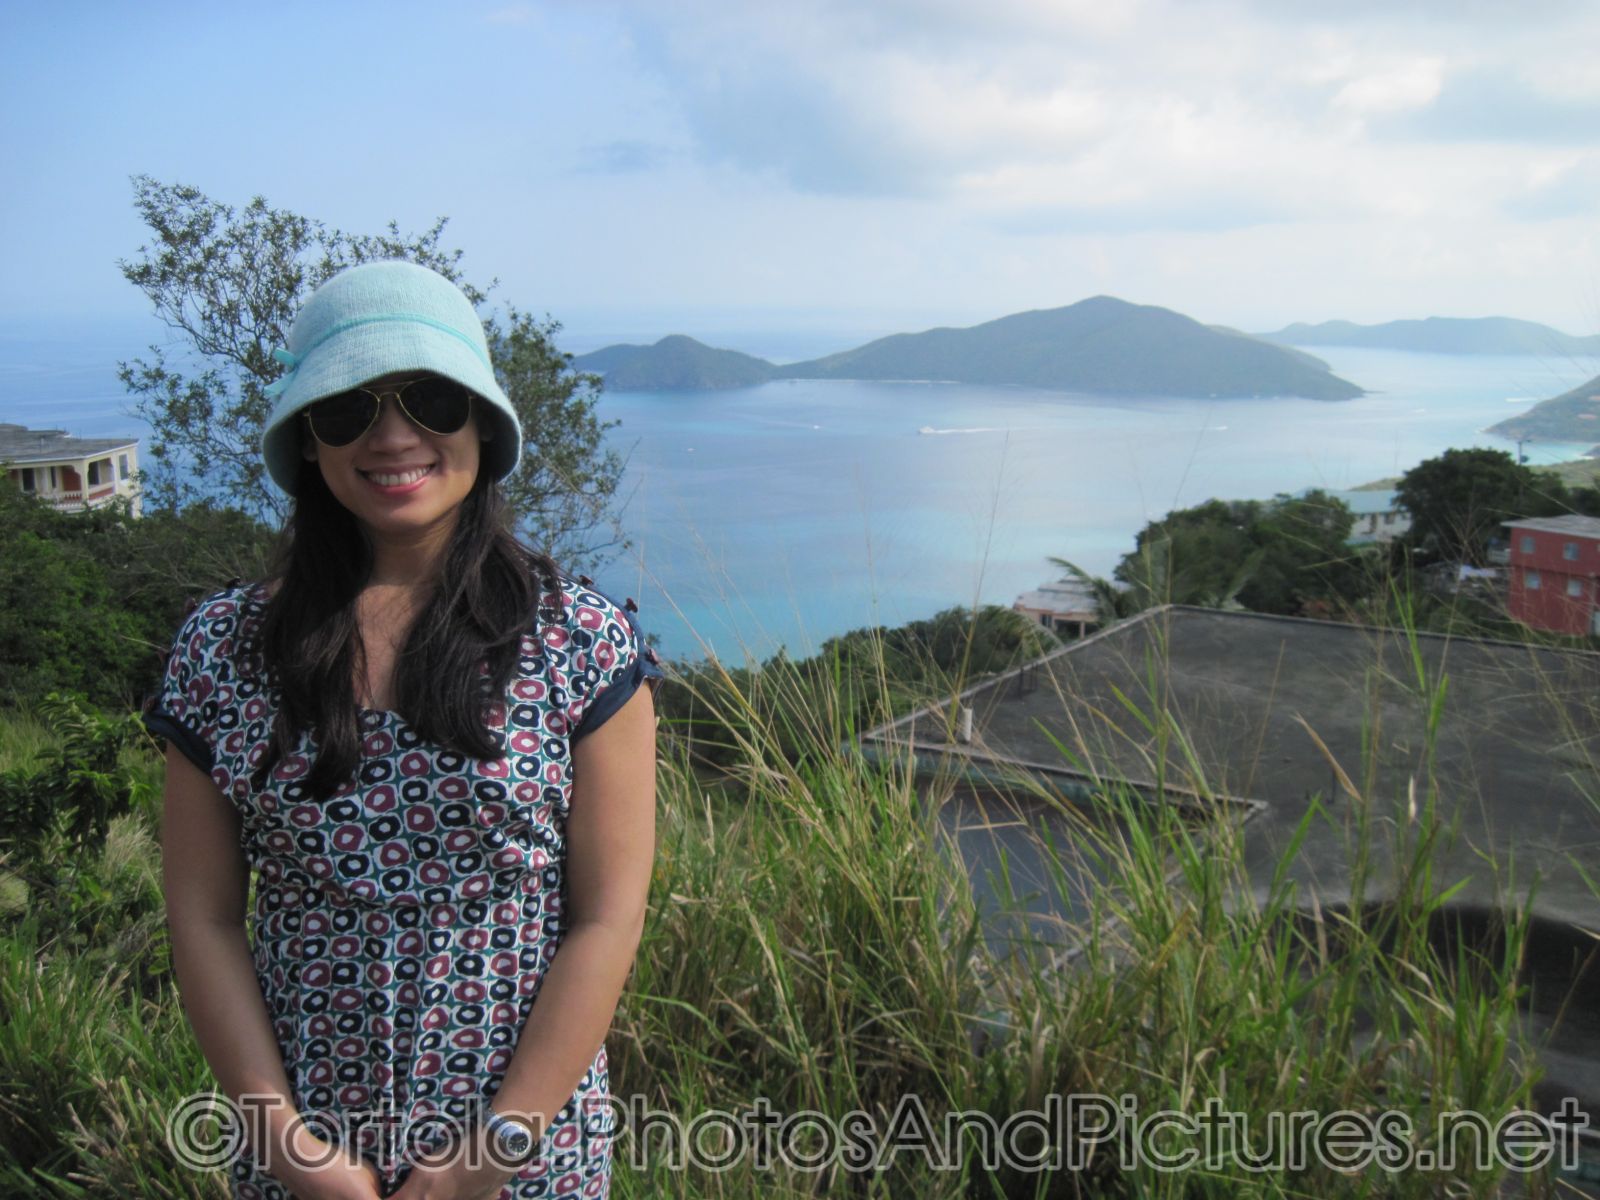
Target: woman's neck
{"x": 411, "y": 561}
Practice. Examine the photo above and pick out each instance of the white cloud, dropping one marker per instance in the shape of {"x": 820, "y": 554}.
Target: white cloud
{"x": 1405, "y": 85}
{"x": 1566, "y": 188}
{"x": 1043, "y": 115}
{"x": 1216, "y": 156}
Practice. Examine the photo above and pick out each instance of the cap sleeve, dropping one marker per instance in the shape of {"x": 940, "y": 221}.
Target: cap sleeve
{"x": 185, "y": 709}
{"x": 610, "y": 660}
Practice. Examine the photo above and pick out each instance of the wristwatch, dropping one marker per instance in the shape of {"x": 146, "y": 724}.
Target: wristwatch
{"x": 513, "y": 1141}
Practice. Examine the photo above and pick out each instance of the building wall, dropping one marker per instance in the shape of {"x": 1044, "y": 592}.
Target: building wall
{"x": 1379, "y": 527}
{"x": 75, "y": 484}
{"x": 1542, "y": 556}
{"x": 1054, "y": 619}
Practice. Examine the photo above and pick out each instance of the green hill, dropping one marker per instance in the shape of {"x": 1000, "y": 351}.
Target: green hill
{"x": 1441, "y": 335}
{"x": 675, "y": 363}
{"x": 1570, "y": 417}
{"x": 1102, "y": 345}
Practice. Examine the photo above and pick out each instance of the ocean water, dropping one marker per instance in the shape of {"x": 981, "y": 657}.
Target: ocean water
{"x": 790, "y": 512}
{"x": 784, "y": 514}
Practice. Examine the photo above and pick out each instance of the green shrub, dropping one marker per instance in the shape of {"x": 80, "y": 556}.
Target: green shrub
{"x": 72, "y": 790}
{"x": 89, "y": 601}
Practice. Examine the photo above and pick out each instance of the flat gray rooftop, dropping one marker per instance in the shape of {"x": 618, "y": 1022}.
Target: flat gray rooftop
{"x": 21, "y": 445}
{"x": 1571, "y": 523}
{"x": 1267, "y": 706}
{"x": 1263, "y": 704}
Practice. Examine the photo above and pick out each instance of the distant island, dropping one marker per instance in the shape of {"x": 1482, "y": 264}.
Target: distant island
{"x": 675, "y": 363}
{"x": 1441, "y": 335}
{"x": 1570, "y": 417}
{"x": 1102, "y": 346}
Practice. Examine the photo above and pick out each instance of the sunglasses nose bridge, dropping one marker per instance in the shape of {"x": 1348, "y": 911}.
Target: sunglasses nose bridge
{"x": 391, "y": 405}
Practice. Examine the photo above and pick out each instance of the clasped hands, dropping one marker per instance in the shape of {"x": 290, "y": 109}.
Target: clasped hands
{"x": 447, "y": 1173}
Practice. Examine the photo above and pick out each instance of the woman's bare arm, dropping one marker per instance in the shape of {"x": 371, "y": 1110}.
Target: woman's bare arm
{"x": 206, "y": 880}
{"x": 611, "y": 838}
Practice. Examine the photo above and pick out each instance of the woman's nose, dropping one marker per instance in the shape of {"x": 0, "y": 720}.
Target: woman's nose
{"x": 392, "y": 427}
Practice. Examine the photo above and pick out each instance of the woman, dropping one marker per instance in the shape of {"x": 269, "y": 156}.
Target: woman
{"x": 435, "y": 751}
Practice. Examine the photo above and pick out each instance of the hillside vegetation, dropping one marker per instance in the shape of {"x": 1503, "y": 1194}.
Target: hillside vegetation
{"x": 813, "y": 940}
{"x": 813, "y": 946}
{"x": 1570, "y": 417}
{"x": 89, "y": 601}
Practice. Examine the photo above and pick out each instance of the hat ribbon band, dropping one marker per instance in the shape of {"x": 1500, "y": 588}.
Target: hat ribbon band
{"x": 293, "y": 361}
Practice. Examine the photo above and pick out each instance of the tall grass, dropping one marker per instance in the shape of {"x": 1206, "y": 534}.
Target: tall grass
{"x": 813, "y": 944}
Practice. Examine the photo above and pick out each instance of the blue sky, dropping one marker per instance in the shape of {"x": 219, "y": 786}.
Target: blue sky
{"x": 842, "y": 166}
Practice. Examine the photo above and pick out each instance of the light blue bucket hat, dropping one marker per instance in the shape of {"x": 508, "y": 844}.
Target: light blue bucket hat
{"x": 374, "y": 319}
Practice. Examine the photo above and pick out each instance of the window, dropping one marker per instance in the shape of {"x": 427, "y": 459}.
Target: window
{"x": 1530, "y": 580}
{"x": 1527, "y": 543}
{"x": 94, "y": 474}
{"x": 53, "y": 484}
{"x": 122, "y": 466}
{"x": 26, "y": 475}
{"x": 1574, "y": 587}
{"x": 1569, "y": 551}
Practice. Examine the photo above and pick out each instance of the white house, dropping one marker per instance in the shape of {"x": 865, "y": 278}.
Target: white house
{"x": 1378, "y": 515}
{"x": 72, "y": 473}
{"x": 1065, "y": 605}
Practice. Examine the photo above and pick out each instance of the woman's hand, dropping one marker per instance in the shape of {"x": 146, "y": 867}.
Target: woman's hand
{"x": 326, "y": 1172}
{"x": 453, "y": 1174}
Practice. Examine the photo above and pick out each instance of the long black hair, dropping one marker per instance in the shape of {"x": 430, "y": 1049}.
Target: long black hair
{"x": 458, "y": 657}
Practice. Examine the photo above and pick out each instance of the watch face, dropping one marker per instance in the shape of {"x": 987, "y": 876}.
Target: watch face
{"x": 515, "y": 1142}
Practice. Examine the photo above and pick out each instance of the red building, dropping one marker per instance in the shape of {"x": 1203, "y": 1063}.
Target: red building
{"x": 1555, "y": 573}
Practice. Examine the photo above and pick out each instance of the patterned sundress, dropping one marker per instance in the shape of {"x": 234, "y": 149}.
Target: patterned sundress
{"x": 402, "y": 927}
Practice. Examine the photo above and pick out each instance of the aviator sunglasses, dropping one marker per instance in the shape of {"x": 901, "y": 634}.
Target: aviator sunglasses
{"x": 440, "y": 406}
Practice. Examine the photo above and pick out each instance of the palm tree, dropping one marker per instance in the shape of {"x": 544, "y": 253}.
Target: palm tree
{"x": 1156, "y": 575}
{"x": 1111, "y": 603}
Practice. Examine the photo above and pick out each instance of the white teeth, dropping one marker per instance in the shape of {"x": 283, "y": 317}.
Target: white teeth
{"x": 385, "y": 480}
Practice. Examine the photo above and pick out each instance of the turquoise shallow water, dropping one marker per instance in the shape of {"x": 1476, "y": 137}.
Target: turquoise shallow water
{"x": 793, "y": 511}
{"x": 790, "y": 512}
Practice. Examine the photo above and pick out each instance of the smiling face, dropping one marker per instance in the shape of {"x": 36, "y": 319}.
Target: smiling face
{"x": 402, "y": 482}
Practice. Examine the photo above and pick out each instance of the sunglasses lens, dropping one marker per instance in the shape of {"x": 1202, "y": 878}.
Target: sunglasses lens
{"x": 439, "y": 405}
{"x": 340, "y": 420}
